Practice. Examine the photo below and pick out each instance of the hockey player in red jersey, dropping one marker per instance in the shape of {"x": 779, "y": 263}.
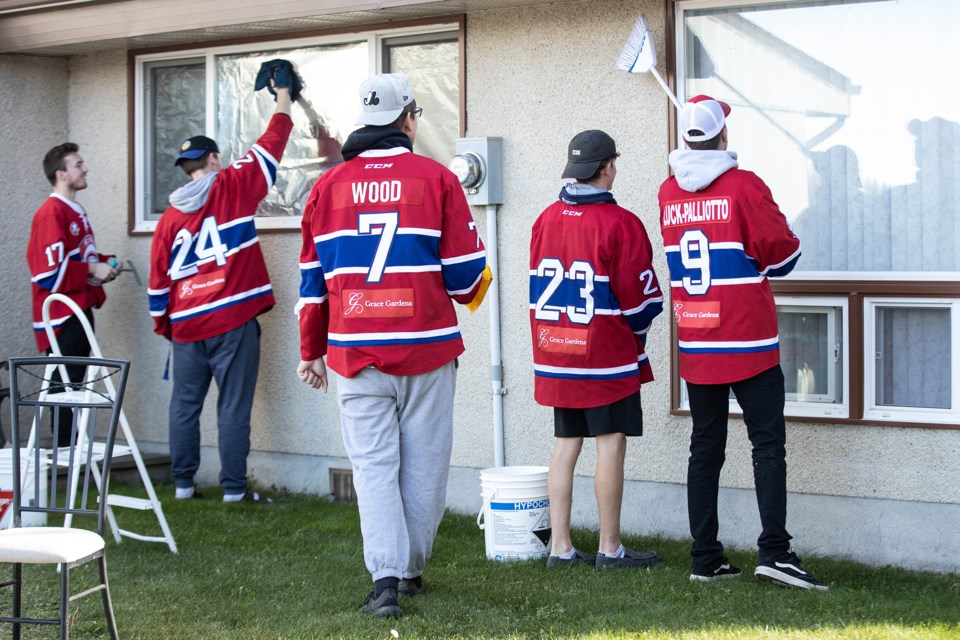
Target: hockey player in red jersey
{"x": 208, "y": 284}
{"x": 593, "y": 296}
{"x": 388, "y": 242}
{"x": 724, "y": 236}
{"x": 63, "y": 258}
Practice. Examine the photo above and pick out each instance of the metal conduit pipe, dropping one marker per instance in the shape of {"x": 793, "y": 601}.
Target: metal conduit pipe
{"x": 496, "y": 365}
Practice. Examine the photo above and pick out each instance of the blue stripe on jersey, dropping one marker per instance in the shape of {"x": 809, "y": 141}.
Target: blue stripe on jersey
{"x": 586, "y": 376}
{"x": 725, "y": 264}
{"x": 233, "y": 236}
{"x": 386, "y": 342}
{"x": 720, "y": 349}
{"x": 406, "y": 250}
{"x": 187, "y": 315}
{"x": 237, "y": 235}
{"x": 49, "y": 282}
{"x": 570, "y": 294}
{"x": 462, "y": 275}
{"x": 159, "y": 302}
{"x": 642, "y": 320}
{"x": 265, "y": 162}
{"x": 783, "y": 269}
{"x": 312, "y": 284}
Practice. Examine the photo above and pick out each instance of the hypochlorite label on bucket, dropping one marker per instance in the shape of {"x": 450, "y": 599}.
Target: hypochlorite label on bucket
{"x": 521, "y": 528}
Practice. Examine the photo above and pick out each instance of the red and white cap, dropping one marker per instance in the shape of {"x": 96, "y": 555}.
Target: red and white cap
{"x": 704, "y": 115}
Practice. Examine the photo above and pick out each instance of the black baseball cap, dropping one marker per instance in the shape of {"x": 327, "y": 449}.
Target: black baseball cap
{"x": 194, "y": 147}
{"x": 585, "y": 153}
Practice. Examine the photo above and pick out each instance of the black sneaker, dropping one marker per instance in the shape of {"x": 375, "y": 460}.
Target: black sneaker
{"x": 383, "y": 605}
{"x": 788, "y": 574}
{"x": 579, "y": 557}
{"x": 630, "y": 560}
{"x": 410, "y": 586}
{"x": 722, "y": 571}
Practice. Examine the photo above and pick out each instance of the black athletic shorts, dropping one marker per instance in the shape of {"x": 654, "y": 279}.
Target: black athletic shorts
{"x": 623, "y": 416}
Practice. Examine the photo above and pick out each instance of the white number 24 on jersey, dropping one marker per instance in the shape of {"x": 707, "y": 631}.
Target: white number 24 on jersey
{"x": 206, "y": 247}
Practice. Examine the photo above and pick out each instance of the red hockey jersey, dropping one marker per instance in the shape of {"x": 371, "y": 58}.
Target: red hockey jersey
{"x": 593, "y": 296}
{"x": 722, "y": 243}
{"x": 388, "y": 240}
{"x": 60, "y": 248}
{"x": 207, "y": 274}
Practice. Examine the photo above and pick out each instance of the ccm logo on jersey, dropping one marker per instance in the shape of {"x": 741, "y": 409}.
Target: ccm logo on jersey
{"x": 571, "y": 212}
{"x": 378, "y": 165}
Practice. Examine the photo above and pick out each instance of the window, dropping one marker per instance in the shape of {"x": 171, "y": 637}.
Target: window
{"x": 913, "y": 360}
{"x": 860, "y": 146}
{"x": 813, "y": 355}
{"x": 210, "y": 92}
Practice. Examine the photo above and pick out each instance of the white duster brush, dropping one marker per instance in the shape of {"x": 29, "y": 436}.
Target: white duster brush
{"x": 638, "y": 56}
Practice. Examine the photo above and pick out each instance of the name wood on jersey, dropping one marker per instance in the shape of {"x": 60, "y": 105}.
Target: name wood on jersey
{"x": 376, "y": 192}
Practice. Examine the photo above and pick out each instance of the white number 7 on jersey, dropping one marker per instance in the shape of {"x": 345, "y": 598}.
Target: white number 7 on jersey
{"x": 385, "y": 225}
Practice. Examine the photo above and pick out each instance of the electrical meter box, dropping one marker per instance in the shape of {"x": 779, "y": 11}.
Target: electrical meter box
{"x": 479, "y": 167}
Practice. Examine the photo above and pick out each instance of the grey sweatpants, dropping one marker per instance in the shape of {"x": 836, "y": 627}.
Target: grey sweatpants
{"x": 398, "y": 433}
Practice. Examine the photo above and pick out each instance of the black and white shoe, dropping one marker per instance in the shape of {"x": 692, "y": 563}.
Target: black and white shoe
{"x": 722, "y": 571}
{"x": 788, "y": 574}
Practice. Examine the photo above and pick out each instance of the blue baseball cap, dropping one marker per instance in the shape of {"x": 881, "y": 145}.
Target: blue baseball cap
{"x": 193, "y": 148}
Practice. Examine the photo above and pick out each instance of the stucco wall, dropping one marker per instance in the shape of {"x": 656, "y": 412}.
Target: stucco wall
{"x": 33, "y": 113}
{"x": 554, "y": 83}
{"x": 557, "y": 80}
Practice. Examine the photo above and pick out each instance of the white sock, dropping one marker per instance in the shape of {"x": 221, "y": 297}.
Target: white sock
{"x": 569, "y": 555}
{"x": 619, "y": 553}
{"x": 233, "y": 497}
{"x": 185, "y": 492}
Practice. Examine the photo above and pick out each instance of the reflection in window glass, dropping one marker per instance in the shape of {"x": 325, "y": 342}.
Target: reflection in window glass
{"x": 434, "y": 72}
{"x": 912, "y": 354}
{"x": 810, "y": 351}
{"x": 175, "y": 100}
{"x": 331, "y": 76}
{"x": 859, "y": 143}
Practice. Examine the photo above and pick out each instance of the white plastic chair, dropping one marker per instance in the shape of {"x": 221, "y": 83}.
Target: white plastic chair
{"x": 65, "y": 547}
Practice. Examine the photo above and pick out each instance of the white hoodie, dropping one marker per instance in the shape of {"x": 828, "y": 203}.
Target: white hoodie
{"x": 696, "y": 170}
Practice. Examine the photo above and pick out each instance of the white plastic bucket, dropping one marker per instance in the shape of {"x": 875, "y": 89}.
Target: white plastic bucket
{"x": 6, "y": 488}
{"x": 515, "y": 513}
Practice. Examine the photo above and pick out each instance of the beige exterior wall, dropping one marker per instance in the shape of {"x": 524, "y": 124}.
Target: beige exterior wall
{"x": 535, "y": 76}
{"x": 33, "y": 116}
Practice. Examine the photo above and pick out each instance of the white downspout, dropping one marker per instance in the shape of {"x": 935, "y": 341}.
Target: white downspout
{"x": 496, "y": 365}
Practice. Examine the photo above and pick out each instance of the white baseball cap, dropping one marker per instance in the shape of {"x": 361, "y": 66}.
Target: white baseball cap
{"x": 704, "y": 114}
{"x": 383, "y": 98}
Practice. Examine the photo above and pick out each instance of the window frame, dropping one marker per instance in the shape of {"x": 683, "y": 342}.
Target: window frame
{"x": 874, "y": 411}
{"x": 447, "y": 28}
{"x": 855, "y": 286}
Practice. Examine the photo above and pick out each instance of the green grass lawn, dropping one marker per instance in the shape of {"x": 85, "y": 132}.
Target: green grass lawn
{"x": 294, "y": 569}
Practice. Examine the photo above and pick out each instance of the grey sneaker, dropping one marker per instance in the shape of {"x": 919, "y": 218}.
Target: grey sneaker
{"x": 410, "y": 586}
{"x": 579, "y": 557}
{"x": 630, "y": 560}
{"x": 384, "y": 605}
{"x": 788, "y": 574}
{"x": 723, "y": 571}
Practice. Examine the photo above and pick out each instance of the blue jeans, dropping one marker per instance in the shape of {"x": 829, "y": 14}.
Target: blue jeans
{"x": 233, "y": 360}
{"x": 761, "y": 398}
